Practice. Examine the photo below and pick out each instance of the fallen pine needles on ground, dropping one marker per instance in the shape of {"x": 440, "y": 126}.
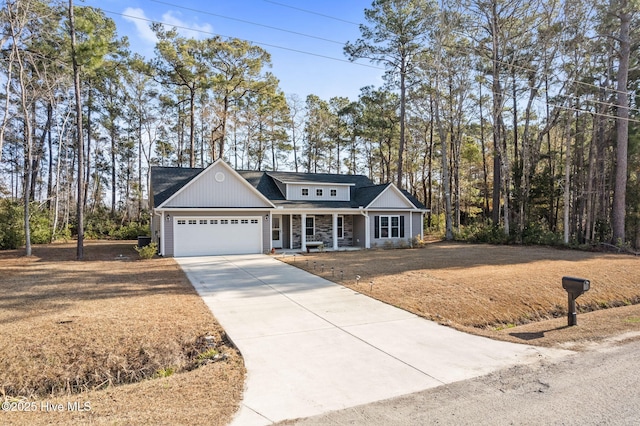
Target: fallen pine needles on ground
{"x": 490, "y": 290}
{"x": 108, "y": 326}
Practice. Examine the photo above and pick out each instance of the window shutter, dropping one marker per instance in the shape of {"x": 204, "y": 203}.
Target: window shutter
{"x": 376, "y": 226}
{"x": 401, "y": 226}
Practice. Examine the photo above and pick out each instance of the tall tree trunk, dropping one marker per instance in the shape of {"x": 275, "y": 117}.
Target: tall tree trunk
{"x": 78, "y": 96}
{"x": 622, "y": 126}
{"x": 484, "y": 158}
{"x": 50, "y": 159}
{"x": 16, "y": 54}
{"x": 113, "y": 169}
{"x": 430, "y": 177}
{"x": 87, "y": 157}
{"x": 140, "y": 192}
{"x": 7, "y": 101}
{"x": 192, "y": 128}
{"x": 403, "y": 94}
{"x": 497, "y": 117}
{"x": 567, "y": 181}
{"x": 223, "y": 125}
{"x": 445, "y": 167}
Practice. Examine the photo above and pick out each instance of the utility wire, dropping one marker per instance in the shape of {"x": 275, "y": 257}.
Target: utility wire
{"x": 547, "y": 74}
{"x": 630, "y": 120}
{"x": 312, "y": 12}
{"x": 304, "y": 52}
{"x": 248, "y": 22}
{"x": 607, "y": 104}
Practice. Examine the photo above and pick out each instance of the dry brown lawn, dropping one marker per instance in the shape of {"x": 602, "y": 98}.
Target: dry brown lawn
{"x": 118, "y": 333}
{"x": 507, "y": 292}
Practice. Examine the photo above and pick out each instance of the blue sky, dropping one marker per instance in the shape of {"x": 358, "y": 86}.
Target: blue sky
{"x": 321, "y": 33}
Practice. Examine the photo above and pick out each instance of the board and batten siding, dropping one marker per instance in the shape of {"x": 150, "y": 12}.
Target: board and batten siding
{"x": 155, "y": 227}
{"x": 294, "y": 192}
{"x": 168, "y": 225}
{"x": 417, "y": 224}
{"x": 390, "y": 199}
{"x": 218, "y": 187}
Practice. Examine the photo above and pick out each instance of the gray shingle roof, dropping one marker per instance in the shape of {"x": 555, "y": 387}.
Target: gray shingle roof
{"x": 166, "y": 181}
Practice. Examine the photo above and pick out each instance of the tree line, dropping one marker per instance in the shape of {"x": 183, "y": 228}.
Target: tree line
{"x": 511, "y": 120}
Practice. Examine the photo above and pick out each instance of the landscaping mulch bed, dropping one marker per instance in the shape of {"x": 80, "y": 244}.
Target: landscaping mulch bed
{"x": 113, "y": 339}
{"x": 511, "y": 293}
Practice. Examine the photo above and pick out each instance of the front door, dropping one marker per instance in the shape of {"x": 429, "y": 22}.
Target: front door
{"x": 276, "y": 231}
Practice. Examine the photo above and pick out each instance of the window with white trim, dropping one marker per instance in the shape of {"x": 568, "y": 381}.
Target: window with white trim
{"x": 192, "y": 222}
{"x": 389, "y": 226}
{"x": 234, "y": 221}
{"x": 224, "y": 221}
{"x": 340, "y": 227}
{"x": 254, "y": 220}
{"x": 244, "y": 221}
{"x": 182, "y": 222}
{"x": 203, "y": 221}
{"x": 305, "y": 192}
{"x": 334, "y": 192}
{"x": 310, "y": 226}
{"x": 318, "y": 192}
{"x": 213, "y": 221}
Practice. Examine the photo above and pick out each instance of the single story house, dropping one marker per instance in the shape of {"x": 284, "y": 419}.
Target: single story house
{"x": 219, "y": 210}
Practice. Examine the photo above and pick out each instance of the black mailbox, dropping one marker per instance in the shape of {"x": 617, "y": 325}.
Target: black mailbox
{"x": 577, "y": 286}
{"x": 574, "y": 287}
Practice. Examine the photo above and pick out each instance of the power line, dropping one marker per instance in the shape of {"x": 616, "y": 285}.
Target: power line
{"x": 559, "y": 78}
{"x": 312, "y": 12}
{"x": 548, "y": 74}
{"x": 182, "y": 27}
{"x": 248, "y": 22}
{"x": 630, "y": 120}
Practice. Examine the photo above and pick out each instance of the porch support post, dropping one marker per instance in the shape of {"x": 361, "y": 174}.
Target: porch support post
{"x": 162, "y": 239}
{"x": 303, "y": 233}
{"x": 334, "y": 230}
{"x": 367, "y": 231}
{"x": 291, "y": 232}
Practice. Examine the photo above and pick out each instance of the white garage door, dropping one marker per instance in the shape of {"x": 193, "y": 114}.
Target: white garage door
{"x": 201, "y": 236}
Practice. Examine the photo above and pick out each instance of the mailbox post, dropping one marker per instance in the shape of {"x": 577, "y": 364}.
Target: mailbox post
{"x": 574, "y": 287}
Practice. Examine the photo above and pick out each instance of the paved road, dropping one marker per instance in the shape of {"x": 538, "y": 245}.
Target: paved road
{"x": 311, "y": 346}
{"x": 599, "y": 387}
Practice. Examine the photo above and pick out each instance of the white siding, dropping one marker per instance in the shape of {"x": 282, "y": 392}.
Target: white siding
{"x": 390, "y": 199}
{"x": 295, "y": 192}
{"x": 207, "y": 191}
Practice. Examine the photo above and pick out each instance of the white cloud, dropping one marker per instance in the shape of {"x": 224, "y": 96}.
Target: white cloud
{"x": 142, "y": 23}
{"x": 138, "y": 18}
{"x": 187, "y": 29}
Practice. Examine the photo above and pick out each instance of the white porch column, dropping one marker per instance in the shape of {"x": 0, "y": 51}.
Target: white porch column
{"x": 162, "y": 219}
{"x": 303, "y": 233}
{"x": 290, "y": 232}
{"x": 367, "y": 231}
{"x": 334, "y": 230}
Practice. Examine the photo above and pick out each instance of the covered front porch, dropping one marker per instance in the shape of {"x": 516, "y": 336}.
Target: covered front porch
{"x": 332, "y": 230}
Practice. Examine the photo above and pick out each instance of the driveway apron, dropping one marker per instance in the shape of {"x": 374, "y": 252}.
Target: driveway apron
{"x": 312, "y": 346}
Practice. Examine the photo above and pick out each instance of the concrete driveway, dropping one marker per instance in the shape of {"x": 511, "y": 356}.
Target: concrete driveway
{"x": 312, "y": 346}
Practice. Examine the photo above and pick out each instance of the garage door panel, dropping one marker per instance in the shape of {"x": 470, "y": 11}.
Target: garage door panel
{"x": 201, "y": 236}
